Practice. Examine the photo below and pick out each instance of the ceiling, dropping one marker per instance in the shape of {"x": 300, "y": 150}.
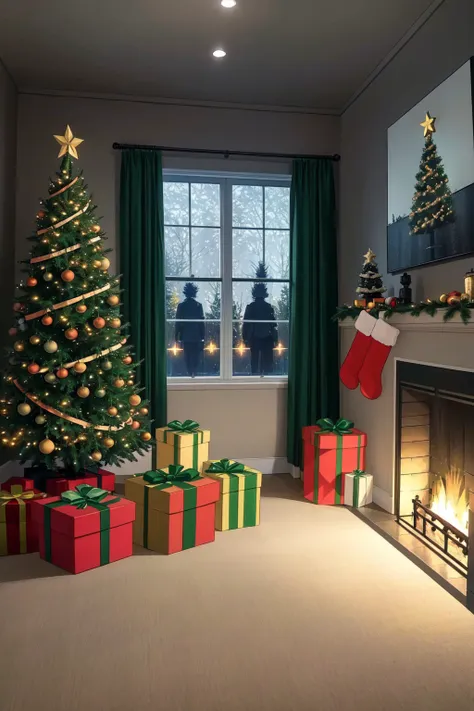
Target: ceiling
{"x": 302, "y": 53}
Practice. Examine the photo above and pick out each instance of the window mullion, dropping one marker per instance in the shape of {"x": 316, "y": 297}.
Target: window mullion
{"x": 226, "y": 312}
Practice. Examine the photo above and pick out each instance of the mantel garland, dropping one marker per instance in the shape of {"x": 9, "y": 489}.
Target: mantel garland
{"x": 463, "y": 308}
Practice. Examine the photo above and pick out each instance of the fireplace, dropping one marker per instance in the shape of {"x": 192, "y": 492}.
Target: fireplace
{"x": 434, "y": 456}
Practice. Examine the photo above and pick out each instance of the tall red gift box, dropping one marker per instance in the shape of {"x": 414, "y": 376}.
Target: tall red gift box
{"x": 102, "y": 479}
{"x": 17, "y": 530}
{"x": 84, "y": 529}
{"x": 330, "y": 450}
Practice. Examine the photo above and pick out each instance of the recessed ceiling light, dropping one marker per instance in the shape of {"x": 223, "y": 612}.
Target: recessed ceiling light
{"x": 228, "y": 3}
{"x": 219, "y": 53}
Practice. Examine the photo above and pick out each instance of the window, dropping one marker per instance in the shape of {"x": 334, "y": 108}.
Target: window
{"x": 227, "y": 250}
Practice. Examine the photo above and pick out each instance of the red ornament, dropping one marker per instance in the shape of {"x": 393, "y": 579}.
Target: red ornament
{"x": 31, "y": 281}
{"x": 99, "y": 322}
{"x": 391, "y": 301}
{"x": 135, "y": 425}
{"x": 454, "y": 297}
{"x": 62, "y": 373}
{"x": 40, "y": 214}
{"x": 47, "y": 320}
{"x": 67, "y": 275}
{"x": 17, "y": 306}
{"x": 12, "y": 331}
{"x": 71, "y": 334}
{"x": 33, "y": 368}
{"x": 127, "y": 360}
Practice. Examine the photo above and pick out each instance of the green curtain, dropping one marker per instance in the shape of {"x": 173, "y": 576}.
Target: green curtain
{"x": 313, "y": 378}
{"x": 142, "y": 259}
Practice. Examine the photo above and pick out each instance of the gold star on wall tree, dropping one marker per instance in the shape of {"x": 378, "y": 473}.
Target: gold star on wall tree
{"x": 369, "y": 257}
{"x": 428, "y": 124}
{"x": 68, "y": 143}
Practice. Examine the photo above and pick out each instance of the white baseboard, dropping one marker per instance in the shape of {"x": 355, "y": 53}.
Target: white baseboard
{"x": 383, "y": 499}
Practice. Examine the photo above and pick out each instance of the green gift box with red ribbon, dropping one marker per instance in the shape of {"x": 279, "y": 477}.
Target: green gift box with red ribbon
{"x": 175, "y": 508}
{"x": 330, "y": 450}
{"x": 183, "y": 443}
{"x": 84, "y": 528}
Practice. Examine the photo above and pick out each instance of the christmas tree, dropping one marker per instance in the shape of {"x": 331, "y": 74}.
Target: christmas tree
{"x": 370, "y": 281}
{"x": 70, "y": 392}
{"x": 432, "y": 205}
{"x": 259, "y": 289}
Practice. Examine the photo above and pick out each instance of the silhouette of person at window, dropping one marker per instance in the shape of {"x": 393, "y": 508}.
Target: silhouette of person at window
{"x": 189, "y": 328}
{"x": 261, "y": 338}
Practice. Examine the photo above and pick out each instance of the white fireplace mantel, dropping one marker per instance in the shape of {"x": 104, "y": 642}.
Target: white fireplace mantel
{"x": 436, "y": 323}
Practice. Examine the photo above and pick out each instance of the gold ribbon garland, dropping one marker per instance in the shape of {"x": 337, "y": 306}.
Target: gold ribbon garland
{"x": 69, "y": 302}
{"x": 66, "y": 187}
{"x": 63, "y": 222}
{"x": 90, "y": 358}
{"x": 52, "y": 255}
{"x": 74, "y": 420}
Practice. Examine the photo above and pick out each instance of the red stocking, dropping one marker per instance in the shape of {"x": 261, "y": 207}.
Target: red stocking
{"x": 383, "y": 339}
{"x": 354, "y": 360}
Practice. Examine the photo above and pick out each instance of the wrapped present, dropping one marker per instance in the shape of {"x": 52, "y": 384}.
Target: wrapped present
{"x": 54, "y": 482}
{"x": 239, "y": 493}
{"x": 84, "y": 528}
{"x": 182, "y": 443}
{"x": 17, "y": 530}
{"x": 175, "y": 508}
{"x": 330, "y": 450}
{"x": 102, "y": 479}
{"x": 358, "y": 487}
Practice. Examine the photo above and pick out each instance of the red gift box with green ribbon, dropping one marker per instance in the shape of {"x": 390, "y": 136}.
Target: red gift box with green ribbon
{"x": 101, "y": 479}
{"x": 175, "y": 508}
{"x": 84, "y": 528}
{"x": 17, "y": 530}
{"x": 330, "y": 450}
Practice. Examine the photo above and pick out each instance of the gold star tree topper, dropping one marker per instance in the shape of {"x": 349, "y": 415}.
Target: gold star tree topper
{"x": 369, "y": 257}
{"x": 428, "y": 124}
{"x": 68, "y": 143}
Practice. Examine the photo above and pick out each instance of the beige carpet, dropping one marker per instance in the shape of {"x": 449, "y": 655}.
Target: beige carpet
{"x": 313, "y": 611}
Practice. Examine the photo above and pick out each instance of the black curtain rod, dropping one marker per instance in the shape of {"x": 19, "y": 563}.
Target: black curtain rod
{"x": 227, "y": 154}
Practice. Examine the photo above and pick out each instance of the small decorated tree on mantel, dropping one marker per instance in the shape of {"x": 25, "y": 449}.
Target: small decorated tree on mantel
{"x": 70, "y": 395}
{"x": 370, "y": 281}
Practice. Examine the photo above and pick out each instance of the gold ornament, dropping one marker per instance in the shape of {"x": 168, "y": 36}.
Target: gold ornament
{"x": 134, "y": 400}
{"x": 50, "y": 346}
{"x": 47, "y": 276}
{"x": 81, "y": 308}
{"x": 95, "y": 228}
{"x": 428, "y": 124}
{"x": 96, "y": 456}
{"x": 119, "y": 383}
{"x": 50, "y": 378}
{"x": 369, "y": 256}
{"x": 80, "y": 367}
{"x": 112, "y": 411}
{"x": 100, "y": 392}
{"x": 82, "y": 438}
{"x": 40, "y": 419}
{"x": 105, "y": 264}
{"x": 107, "y": 365}
{"x": 143, "y": 411}
{"x": 115, "y": 322}
{"x": 83, "y": 391}
{"x": 145, "y": 436}
{"x": 97, "y": 263}
{"x": 68, "y": 143}
{"x": 23, "y": 409}
{"x": 113, "y": 300}
{"x": 46, "y": 446}
{"x": 62, "y": 373}
{"x": 108, "y": 442}
{"x": 443, "y": 298}
{"x": 35, "y": 340}
{"x": 19, "y": 346}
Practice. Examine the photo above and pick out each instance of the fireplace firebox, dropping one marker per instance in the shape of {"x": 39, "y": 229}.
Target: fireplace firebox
{"x": 435, "y": 456}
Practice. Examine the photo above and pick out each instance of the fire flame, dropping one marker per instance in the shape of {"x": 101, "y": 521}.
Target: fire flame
{"x": 450, "y": 500}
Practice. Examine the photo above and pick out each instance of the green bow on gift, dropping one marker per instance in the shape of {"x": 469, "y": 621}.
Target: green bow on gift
{"x": 176, "y": 473}
{"x": 85, "y": 495}
{"x": 224, "y": 466}
{"x": 188, "y": 426}
{"x": 358, "y": 473}
{"x": 340, "y": 427}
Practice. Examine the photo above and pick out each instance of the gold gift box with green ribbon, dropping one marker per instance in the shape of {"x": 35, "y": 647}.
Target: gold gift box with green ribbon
{"x": 182, "y": 443}
{"x": 239, "y": 499}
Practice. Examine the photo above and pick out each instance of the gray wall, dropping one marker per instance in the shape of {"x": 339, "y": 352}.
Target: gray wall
{"x": 100, "y": 123}
{"x": 8, "y": 116}
{"x": 444, "y": 43}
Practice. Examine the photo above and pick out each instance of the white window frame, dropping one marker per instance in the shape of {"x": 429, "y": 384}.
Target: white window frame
{"x": 226, "y": 379}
